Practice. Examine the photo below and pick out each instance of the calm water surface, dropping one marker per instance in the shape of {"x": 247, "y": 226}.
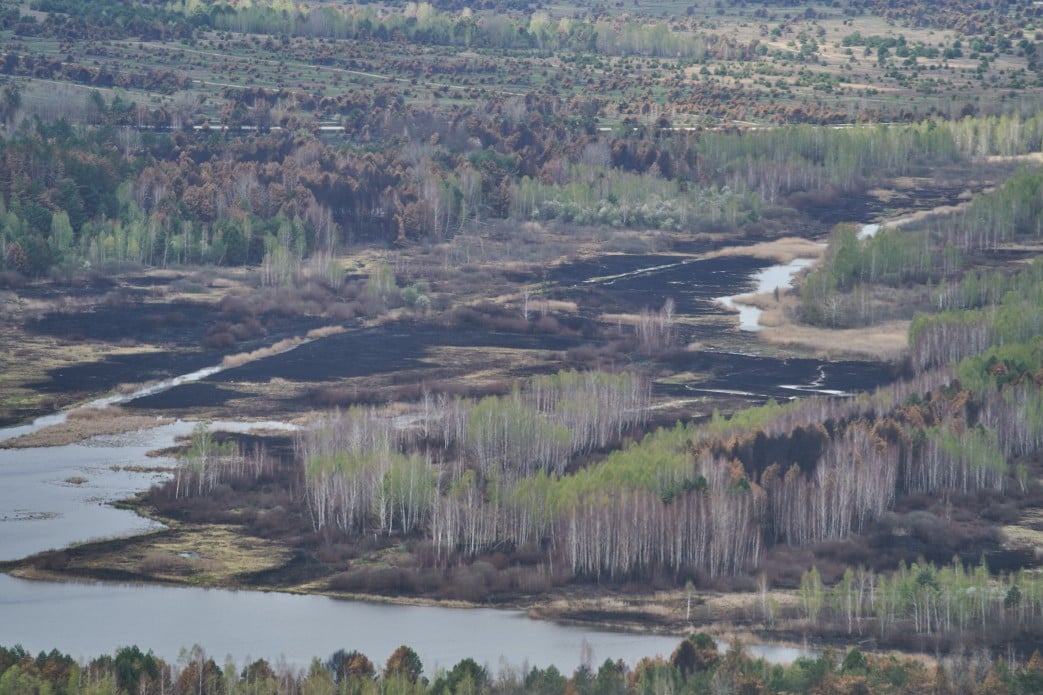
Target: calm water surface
{"x": 86, "y": 620}
{"x": 766, "y": 281}
{"x": 89, "y": 619}
{"x": 52, "y": 497}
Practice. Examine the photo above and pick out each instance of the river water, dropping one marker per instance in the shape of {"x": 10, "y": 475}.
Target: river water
{"x": 52, "y": 497}
{"x": 89, "y": 619}
{"x": 766, "y": 281}
{"x": 868, "y": 231}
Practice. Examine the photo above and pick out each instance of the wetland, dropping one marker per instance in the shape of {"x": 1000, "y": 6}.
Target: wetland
{"x": 525, "y": 335}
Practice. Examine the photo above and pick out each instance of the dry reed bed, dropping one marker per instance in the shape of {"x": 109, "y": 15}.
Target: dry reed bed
{"x": 239, "y": 359}
{"x": 83, "y": 424}
{"x": 883, "y": 342}
{"x": 784, "y": 250}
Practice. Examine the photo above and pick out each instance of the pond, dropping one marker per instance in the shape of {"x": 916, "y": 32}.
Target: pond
{"x": 52, "y": 497}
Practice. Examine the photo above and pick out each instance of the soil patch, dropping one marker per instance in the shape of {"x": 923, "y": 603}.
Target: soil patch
{"x": 907, "y": 194}
{"x": 623, "y": 284}
{"x": 181, "y": 324}
{"x": 194, "y": 395}
{"x": 105, "y": 375}
{"x": 759, "y": 378}
{"x": 384, "y": 349}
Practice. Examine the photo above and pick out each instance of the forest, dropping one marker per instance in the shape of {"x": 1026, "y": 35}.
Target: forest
{"x": 696, "y": 666}
{"x": 159, "y": 180}
{"x": 459, "y": 195}
{"x": 75, "y": 201}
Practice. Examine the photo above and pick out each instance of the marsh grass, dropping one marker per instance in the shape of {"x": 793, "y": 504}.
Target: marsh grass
{"x": 84, "y": 423}
{"x": 214, "y": 555}
{"x": 242, "y": 358}
{"x": 884, "y": 342}
{"x": 783, "y": 250}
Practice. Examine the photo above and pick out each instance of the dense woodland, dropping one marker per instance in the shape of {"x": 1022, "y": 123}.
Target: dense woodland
{"x": 929, "y": 264}
{"x": 73, "y": 198}
{"x": 696, "y": 666}
{"x": 157, "y": 182}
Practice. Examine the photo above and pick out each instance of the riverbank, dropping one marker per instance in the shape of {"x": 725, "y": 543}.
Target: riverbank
{"x": 64, "y": 342}
{"x": 670, "y": 615}
{"x": 294, "y": 629}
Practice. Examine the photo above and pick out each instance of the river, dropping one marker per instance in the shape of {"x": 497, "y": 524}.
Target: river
{"x": 767, "y": 280}
{"x": 52, "y": 497}
{"x": 86, "y": 620}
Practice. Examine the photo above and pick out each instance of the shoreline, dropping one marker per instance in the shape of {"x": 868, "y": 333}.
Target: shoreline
{"x": 726, "y": 633}
{"x": 723, "y": 632}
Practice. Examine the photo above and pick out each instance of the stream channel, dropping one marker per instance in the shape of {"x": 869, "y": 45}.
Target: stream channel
{"x": 56, "y": 496}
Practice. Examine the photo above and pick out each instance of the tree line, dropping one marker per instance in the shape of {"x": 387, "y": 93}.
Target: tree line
{"x": 364, "y": 470}
{"x": 426, "y": 24}
{"x": 693, "y": 500}
{"x": 548, "y": 466}
{"x": 695, "y": 667}
{"x": 928, "y": 263}
{"x": 951, "y": 600}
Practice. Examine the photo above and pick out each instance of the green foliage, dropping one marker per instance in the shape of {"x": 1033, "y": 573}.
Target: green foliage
{"x": 659, "y": 464}
{"x": 1013, "y": 210}
{"x": 422, "y": 23}
{"x": 695, "y": 667}
{"x": 1001, "y": 366}
{"x": 381, "y": 283}
{"x": 204, "y": 448}
{"x": 974, "y": 449}
{"x": 892, "y": 257}
{"x": 416, "y": 296}
{"x": 405, "y": 663}
{"x": 747, "y": 419}
{"x": 465, "y": 678}
{"x": 507, "y": 433}
{"x": 134, "y": 669}
{"x": 922, "y": 322}
{"x": 408, "y": 485}
{"x": 617, "y": 198}
{"x": 115, "y": 19}
{"x": 812, "y": 593}
{"x": 548, "y": 681}
{"x": 829, "y": 155}
{"x": 854, "y": 663}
